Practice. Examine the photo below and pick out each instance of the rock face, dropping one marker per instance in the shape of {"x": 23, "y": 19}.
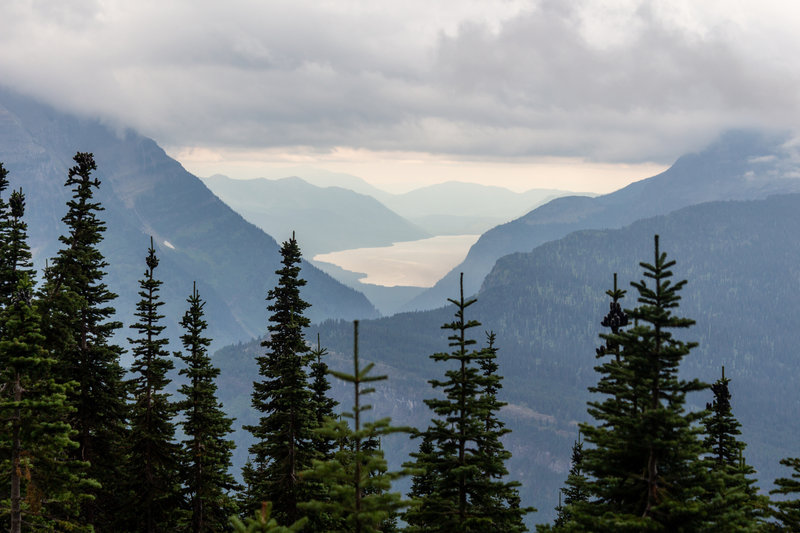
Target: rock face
{"x": 741, "y": 165}
{"x": 146, "y": 193}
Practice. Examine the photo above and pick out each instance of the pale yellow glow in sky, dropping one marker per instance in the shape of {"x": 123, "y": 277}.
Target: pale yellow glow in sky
{"x": 403, "y": 171}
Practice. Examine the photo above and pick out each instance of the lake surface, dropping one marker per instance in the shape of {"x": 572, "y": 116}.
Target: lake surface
{"x": 412, "y": 263}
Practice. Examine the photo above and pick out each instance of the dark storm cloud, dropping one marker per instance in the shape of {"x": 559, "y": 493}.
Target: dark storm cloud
{"x": 513, "y": 79}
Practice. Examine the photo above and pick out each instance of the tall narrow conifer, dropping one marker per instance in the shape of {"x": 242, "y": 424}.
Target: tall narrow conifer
{"x": 153, "y": 455}
{"x": 284, "y": 442}
{"x": 76, "y": 311}
{"x": 207, "y": 448}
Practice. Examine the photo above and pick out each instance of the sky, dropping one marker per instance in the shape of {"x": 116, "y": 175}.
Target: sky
{"x": 580, "y": 94}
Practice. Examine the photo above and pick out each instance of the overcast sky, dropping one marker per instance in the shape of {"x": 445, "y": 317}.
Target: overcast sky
{"x": 581, "y": 94}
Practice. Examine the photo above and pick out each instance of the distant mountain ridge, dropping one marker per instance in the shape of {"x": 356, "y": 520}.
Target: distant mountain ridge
{"x": 326, "y": 219}
{"x": 741, "y": 165}
{"x": 145, "y": 192}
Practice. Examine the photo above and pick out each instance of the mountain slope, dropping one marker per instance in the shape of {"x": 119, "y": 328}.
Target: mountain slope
{"x": 742, "y": 261}
{"x": 326, "y": 219}
{"x": 741, "y": 165}
{"x": 145, "y": 192}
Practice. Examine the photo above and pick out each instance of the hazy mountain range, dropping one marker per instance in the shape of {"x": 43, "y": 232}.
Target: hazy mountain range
{"x": 740, "y": 165}
{"x": 146, "y": 193}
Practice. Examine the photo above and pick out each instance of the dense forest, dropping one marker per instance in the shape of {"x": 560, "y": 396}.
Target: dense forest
{"x": 88, "y": 445}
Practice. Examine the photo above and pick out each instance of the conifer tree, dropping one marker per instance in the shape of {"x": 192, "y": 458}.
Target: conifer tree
{"x": 46, "y": 485}
{"x": 76, "y": 311}
{"x": 732, "y": 494}
{"x": 262, "y": 522}
{"x": 786, "y": 511}
{"x": 357, "y": 479}
{"x": 7, "y": 281}
{"x": 466, "y": 466}
{"x": 153, "y": 456}
{"x": 323, "y": 404}
{"x": 644, "y": 463}
{"x": 284, "y": 443}
{"x": 575, "y": 492}
{"x": 207, "y": 448}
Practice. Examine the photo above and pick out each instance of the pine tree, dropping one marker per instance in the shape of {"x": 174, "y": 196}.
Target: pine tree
{"x": 207, "y": 449}
{"x": 262, "y": 522}
{"x": 46, "y": 485}
{"x": 357, "y": 478}
{"x": 284, "y": 443}
{"x": 787, "y": 512}
{"x": 76, "y": 321}
{"x": 153, "y": 455}
{"x": 732, "y": 494}
{"x": 7, "y": 280}
{"x": 466, "y": 465}
{"x": 644, "y": 463}
{"x": 576, "y": 491}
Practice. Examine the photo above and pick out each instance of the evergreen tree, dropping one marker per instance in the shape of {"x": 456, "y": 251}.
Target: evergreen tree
{"x": 284, "y": 442}
{"x": 46, "y": 485}
{"x": 323, "y": 404}
{"x": 466, "y": 465}
{"x": 357, "y": 478}
{"x": 153, "y": 462}
{"x": 787, "y": 512}
{"x": 7, "y": 280}
{"x": 644, "y": 463}
{"x": 207, "y": 449}
{"x": 732, "y": 494}
{"x": 76, "y": 321}
{"x": 575, "y": 492}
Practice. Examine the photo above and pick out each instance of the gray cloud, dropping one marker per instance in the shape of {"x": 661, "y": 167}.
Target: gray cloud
{"x": 473, "y": 80}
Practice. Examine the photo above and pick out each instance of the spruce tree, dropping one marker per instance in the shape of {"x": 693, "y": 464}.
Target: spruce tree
{"x": 75, "y": 307}
{"x": 787, "y": 511}
{"x": 732, "y": 495}
{"x": 207, "y": 448}
{"x": 262, "y": 522}
{"x": 575, "y": 492}
{"x": 284, "y": 441}
{"x": 153, "y": 455}
{"x": 323, "y": 404}
{"x": 357, "y": 479}
{"x": 47, "y": 486}
{"x": 644, "y": 461}
{"x": 466, "y": 466}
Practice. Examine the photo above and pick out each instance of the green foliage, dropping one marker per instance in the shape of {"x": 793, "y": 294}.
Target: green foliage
{"x": 463, "y": 474}
{"x": 263, "y": 522}
{"x": 787, "y": 511}
{"x": 357, "y": 479}
{"x": 207, "y": 450}
{"x": 323, "y": 404}
{"x": 76, "y": 311}
{"x": 284, "y": 444}
{"x": 644, "y": 463}
{"x": 153, "y": 480}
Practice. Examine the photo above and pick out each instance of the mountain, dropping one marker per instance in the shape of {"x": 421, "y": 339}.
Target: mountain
{"x": 742, "y": 262}
{"x": 146, "y": 193}
{"x": 458, "y": 208}
{"x": 325, "y": 219}
{"x": 740, "y": 165}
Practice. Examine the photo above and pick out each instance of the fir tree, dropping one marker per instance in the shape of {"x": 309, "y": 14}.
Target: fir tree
{"x": 284, "y": 443}
{"x": 207, "y": 449}
{"x": 644, "y": 463}
{"x": 323, "y": 404}
{"x": 466, "y": 465}
{"x": 153, "y": 455}
{"x": 357, "y": 478}
{"x": 732, "y": 494}
{"x": 786, "y": 511}
{"x": 46, "y": 485}
{"x": 7, "y": 280}
{"x": 76, "y": 321}
{"x": 575, "y": 492}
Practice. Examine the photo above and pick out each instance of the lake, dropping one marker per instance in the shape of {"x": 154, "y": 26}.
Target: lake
{"x": 411, "y": 263}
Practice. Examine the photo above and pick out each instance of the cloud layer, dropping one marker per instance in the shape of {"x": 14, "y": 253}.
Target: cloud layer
{"x": 622, "y": 80}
